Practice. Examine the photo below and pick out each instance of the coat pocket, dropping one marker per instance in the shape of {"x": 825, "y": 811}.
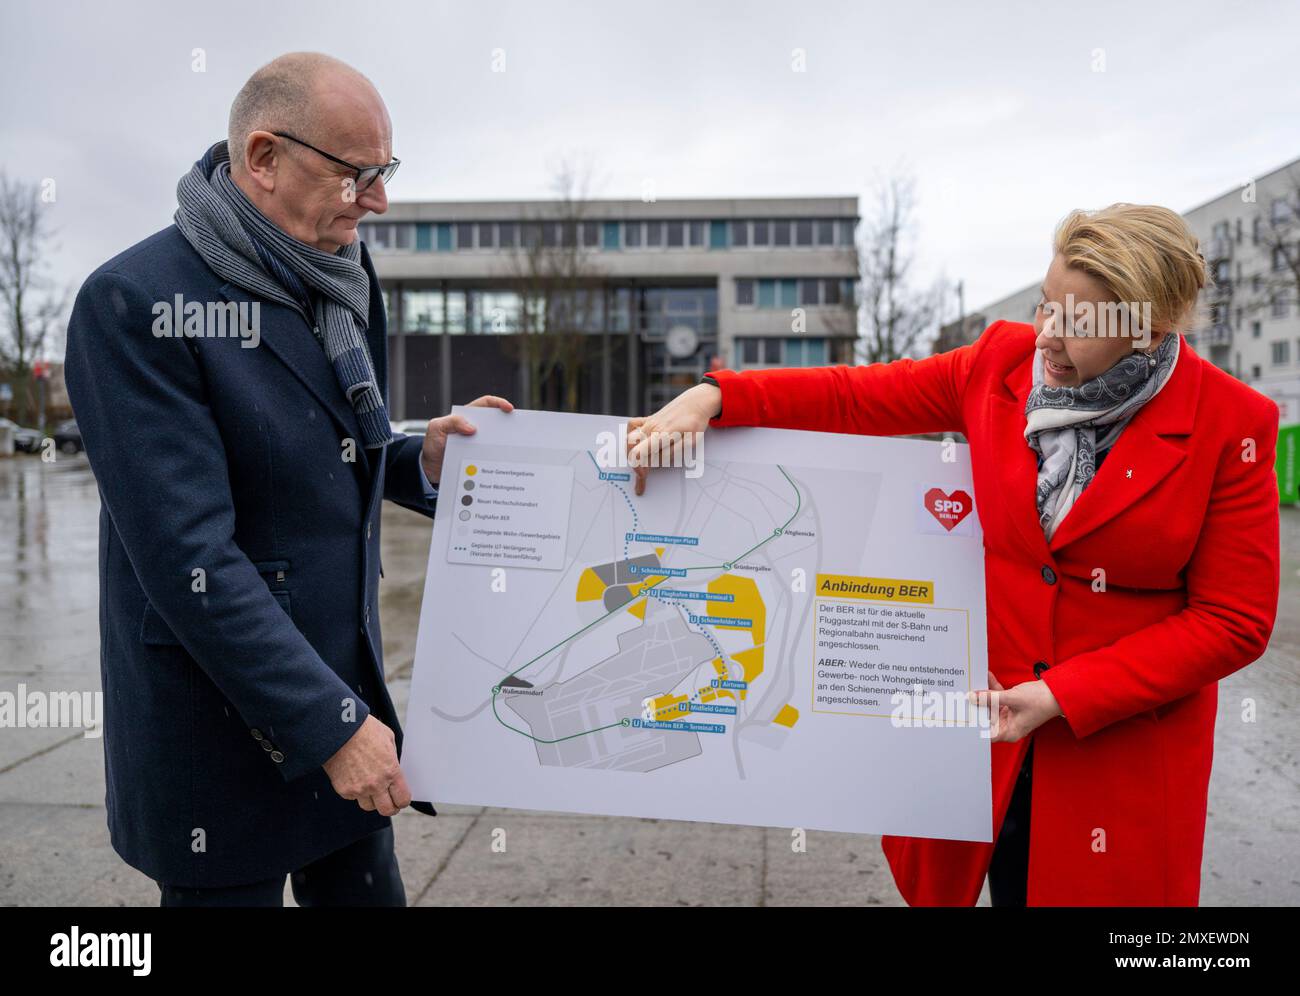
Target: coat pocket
{"x": 155, "y": 632}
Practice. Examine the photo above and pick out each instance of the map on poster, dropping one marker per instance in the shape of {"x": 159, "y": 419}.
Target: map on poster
{"x": 781, "y": 633}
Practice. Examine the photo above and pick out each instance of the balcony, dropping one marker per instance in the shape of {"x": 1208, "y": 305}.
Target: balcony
{"x": 1219, "y": 334}
{"x": 1218, "y": 248}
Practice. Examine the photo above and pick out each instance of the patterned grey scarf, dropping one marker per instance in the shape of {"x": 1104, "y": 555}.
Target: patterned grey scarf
{"x": 240, "y": 244}
{"x": 1068, "y": 426}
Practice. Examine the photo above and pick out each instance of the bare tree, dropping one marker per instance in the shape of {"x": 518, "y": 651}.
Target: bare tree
{"x": 32, "y": 304}
{"x": 559, "y": 289}
{"x": 1277, "y": 228}
{"x": 895, "y": 316}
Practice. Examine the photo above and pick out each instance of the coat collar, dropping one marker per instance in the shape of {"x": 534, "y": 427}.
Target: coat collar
{"x": 1151, "y": 446}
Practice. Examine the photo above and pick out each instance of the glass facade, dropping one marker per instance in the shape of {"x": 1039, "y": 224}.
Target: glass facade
{"x": 609, "y": 236}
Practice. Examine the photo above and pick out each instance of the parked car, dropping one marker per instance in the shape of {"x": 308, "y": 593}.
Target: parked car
{"x": 411, "y": 426}
{"x": 25, "y": 440}
{"x": 67, "y": 437}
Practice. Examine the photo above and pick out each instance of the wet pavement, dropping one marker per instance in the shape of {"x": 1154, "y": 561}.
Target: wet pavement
{"x": 56, "y": 851}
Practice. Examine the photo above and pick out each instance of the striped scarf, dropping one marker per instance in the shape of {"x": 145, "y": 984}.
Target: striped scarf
{"x": 1068, "y": 426}
{"x": 241, "y": 245}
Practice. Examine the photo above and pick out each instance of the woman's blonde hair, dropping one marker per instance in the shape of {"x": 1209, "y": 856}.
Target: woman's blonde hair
{"x": 1141, "y": 253}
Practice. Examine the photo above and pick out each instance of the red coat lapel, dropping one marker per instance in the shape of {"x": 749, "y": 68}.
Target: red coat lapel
{"x": 1152, "y": 445}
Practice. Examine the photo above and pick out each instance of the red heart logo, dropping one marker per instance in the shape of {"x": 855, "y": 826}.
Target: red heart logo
{"x": 949, "y": 509}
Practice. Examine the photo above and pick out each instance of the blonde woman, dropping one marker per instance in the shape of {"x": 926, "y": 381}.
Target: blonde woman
{"x": 1130, "y": 513}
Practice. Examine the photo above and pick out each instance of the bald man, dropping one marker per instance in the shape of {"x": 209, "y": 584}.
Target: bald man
{"x": 229, "y": 375}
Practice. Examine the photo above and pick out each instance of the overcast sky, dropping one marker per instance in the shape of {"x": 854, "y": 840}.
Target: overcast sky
{"x": 997, "y": 110}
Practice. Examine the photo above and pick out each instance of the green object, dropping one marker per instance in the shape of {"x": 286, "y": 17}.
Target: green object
{"x": 444, "y": 237}
{"x": 423, "y": 237}
{"x": 717, "y": 235}
{"x": 1288, "y": 455}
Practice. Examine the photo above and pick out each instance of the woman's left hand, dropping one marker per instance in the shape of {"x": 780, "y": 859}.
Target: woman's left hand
{"x": 1020, "y": 710}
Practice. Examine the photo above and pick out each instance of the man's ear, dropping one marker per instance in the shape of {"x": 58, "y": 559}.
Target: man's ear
{"x": 261, "y": 159}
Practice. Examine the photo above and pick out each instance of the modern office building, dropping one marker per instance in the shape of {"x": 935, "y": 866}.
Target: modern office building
{"x": 608, "y": 306}
{"x": 1250, "y": 237}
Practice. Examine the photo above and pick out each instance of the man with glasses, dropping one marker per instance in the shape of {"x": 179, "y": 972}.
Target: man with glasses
{"x": 229, "y": 375}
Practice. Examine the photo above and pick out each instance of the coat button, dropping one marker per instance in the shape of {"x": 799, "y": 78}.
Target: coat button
{"x": 1040, "y": 667}
{"x": 277, "y": 757}
{"x": 1049, "y": 575}
{"x": 257, "y": 734}
{"x": 267, "y": 745}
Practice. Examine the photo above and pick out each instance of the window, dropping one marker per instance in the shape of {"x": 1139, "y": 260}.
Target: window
{"x": 803, "y": 232}
{"x": 1222, "y": 270}
{"x": 496, "y": 312}
{"x": 767, "y": 293}
{"x": 1280, "y": 212}
{"x": 781, "y": 232}
{"x": 508, "y": 235}
{"x": 1220, "y": 230}
{"x": 422, "y": 311}
{"x": 632, "y": 234}
{"x": 762, "y": 233}
{"x": 455, "y": 311}
{"x": 402, "y": 236}
{"x": 810, "y": 292}
{"x": 676, "y": 236}
{"x": 1254, "y": 229}
{"x": 612, "y": 235}
{"x": 846, "y": 231}
{"x": 804, "y": 353}
{"x": 825, "y": 232}
{"x": 831, "y": 292}
{"x": 620, "y": 309}
{"x": 464, "y": 236}
{"x": 1254, "y": 330}
{"x": 654, "y": 234}
{"x": 550, "y": 234}
{"x": 1281, "y": 353}
{"x": 591, "y": 235}
{"x": 378, "y": 236}
{"x": 696, "y": 233}
{"x": 1255, "y": 371}
{"x": 487, "y": 235}
{"x": 1279, "y": 258}
{"x": 717, "y": 234}
{"x": 1280, "y": 306}
{"x": 756, "y": 352}
{"x": 740, "y": 234}
{"x": 745, "y": 293}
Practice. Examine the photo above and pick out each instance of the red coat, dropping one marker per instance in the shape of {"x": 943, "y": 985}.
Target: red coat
{"x": 1185, "y": 527}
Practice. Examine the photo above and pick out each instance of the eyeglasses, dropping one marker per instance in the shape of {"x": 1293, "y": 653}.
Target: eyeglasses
{"x": 365, "y": 175}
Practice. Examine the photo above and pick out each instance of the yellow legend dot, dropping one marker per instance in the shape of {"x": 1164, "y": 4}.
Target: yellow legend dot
{"x": 471, "y": 470}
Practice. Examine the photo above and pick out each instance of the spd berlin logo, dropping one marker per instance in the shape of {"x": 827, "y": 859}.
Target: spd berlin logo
{"x": 948, "y": 508}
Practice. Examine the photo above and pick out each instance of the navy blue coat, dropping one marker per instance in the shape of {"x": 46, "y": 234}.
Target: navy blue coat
{"x": 238, "y": 568}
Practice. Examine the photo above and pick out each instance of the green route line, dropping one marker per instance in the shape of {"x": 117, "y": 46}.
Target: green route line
{"x": 496, "y": 689}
